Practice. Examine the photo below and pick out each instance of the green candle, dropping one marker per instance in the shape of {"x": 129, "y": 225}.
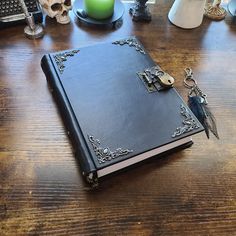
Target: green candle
{"x": 99, "y": 9}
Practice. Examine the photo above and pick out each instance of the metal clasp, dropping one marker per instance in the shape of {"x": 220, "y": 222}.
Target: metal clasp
{"x": 191, "y": 83}
{"x": 155, "y": 79}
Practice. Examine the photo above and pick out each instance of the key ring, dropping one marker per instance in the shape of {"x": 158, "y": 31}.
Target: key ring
{"x": 189, "y": 77}
{"x": 197, "y": 101}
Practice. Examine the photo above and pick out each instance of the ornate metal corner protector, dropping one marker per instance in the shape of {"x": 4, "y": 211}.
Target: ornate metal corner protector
{"x": 105, "y": 154}
{"x": 132, "y": 42}
{"x": 60, "y": 58}
{"x": 189, "y": 123}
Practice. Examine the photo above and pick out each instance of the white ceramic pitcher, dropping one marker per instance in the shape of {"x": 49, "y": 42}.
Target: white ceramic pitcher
{"x": 187, "y": 14}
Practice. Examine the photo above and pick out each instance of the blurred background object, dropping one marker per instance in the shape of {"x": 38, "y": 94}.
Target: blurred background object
{"x": 32, "y": 30}
{"x": 187, "y": 14}
{"x": 58, "y": 9}
{"x": 140, "y": 11}
{"x": 11, "y": 12}
{"x": 214, "y": 11}
{"x": 232, "y": 7}
{"x": 115, "y": 20}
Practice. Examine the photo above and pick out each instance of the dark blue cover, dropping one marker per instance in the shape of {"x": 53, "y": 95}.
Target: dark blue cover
{"x": 102, "y": 97}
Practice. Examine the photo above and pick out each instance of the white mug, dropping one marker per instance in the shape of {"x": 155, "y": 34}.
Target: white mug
{"x": 187, "y": 14}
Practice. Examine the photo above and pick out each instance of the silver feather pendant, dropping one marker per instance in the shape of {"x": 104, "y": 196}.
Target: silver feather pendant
{"x": 197, "y": 102}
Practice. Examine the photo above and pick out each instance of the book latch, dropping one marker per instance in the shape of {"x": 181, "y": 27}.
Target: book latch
{"x": 155, "y": 79}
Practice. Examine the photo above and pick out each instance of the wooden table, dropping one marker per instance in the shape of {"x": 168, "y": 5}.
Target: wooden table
{"x": 191, "y": 192}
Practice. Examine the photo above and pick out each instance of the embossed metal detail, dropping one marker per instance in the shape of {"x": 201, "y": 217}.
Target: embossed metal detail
{"x": 188, "y": 123}
{"x": 155, "y": 79}
{"x": 105, "y": 154}
{"x": 132, "y": 42}
{"x": 60, "y": 58}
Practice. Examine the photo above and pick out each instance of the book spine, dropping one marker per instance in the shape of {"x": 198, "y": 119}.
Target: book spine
{"x": 80, "y": 148}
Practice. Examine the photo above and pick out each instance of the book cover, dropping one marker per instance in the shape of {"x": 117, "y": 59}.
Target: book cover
{"x": 115, "y": 110}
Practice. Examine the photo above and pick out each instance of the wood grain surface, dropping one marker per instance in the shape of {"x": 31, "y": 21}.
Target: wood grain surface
{"x": 191, "y": 192}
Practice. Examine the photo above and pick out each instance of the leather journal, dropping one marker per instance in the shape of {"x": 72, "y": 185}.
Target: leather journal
{"x": 115, "y": 106}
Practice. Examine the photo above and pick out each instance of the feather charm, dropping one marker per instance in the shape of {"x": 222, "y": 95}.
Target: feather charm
{"x": 197, "y": 103}
{"x": 203, "y": 114}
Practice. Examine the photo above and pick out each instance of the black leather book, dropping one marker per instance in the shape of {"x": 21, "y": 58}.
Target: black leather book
{"x": 115, "y": 107}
